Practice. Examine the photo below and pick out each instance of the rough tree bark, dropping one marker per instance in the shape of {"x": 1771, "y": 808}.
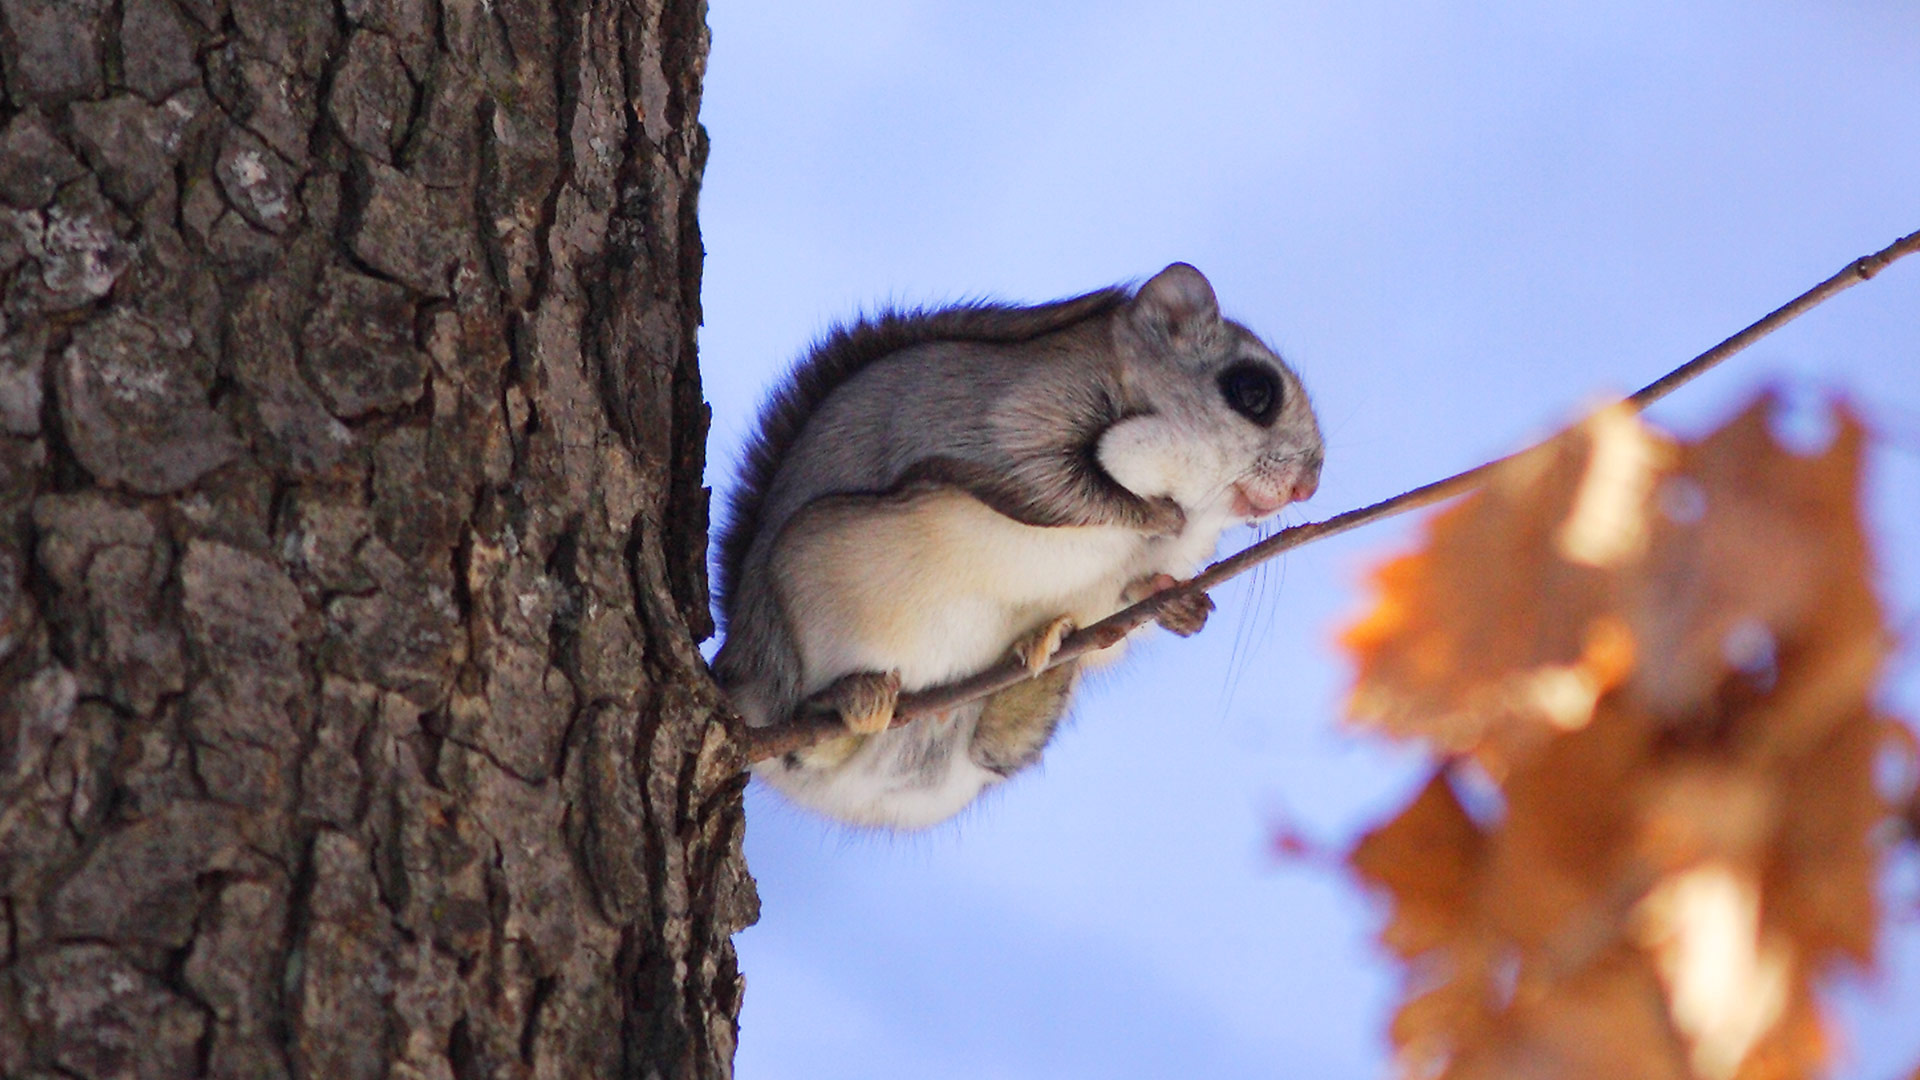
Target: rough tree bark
{"x": 351, "y": 544}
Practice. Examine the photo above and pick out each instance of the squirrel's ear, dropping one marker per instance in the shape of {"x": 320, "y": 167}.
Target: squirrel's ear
{"x": 1178, "y": 303}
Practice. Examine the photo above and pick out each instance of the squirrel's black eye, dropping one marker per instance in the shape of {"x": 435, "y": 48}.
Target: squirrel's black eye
{"x": 1253, "y": 390}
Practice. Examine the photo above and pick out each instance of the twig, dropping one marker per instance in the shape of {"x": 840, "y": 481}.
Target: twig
{"x": 763, "y": 743}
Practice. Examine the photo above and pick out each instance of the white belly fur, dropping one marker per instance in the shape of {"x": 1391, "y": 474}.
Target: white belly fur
{"x": 937, "y": 588}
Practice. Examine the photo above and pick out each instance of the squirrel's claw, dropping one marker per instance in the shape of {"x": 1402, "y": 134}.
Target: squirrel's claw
{"x": 864, "y": 700}
{"x": 1185, "y": 615}
{"x": 1038, "y": 647}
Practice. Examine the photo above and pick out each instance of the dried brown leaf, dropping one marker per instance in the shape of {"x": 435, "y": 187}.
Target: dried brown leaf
{"x": 1820, "y": 875}
{"x": 1428, "y": 859}
{"x": 1604, "y": 1023}
{"x": 1453, "y": 1013}
{"x": 1797, "y": 1047}
{"x": 1501, "y": 625}
{"x": 1664, "y": 655}
{"x": 1556, "y": 860}
{"x": 1756, "y": 591}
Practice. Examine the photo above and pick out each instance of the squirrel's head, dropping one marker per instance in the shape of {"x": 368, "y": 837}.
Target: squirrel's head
{"x": 1225, "y": 425}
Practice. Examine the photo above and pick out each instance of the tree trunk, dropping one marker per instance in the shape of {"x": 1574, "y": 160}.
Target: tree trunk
{"x": 351, "y": 721}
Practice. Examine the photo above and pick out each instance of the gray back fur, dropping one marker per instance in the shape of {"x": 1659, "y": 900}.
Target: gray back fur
{"x": 844, "y": 353}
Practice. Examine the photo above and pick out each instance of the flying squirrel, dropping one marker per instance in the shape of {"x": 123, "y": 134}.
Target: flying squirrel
{"x": 931, "y": 490}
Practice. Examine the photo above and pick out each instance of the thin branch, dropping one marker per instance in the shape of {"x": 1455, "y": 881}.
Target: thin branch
{"x": 802, "y": 732}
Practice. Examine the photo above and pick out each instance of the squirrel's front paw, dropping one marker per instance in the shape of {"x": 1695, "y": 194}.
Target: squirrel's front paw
{"x": 864, "y": 700}
{"x": 1185, "y": 615}
{"x": 1163, "y": 517}
{"x": 1038, "y": 647}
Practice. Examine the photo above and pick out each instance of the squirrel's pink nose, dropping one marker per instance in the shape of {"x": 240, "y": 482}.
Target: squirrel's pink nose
{"x": 1254, "y": 500}
{"x": 1307, "y": 480}
{"x": 1306, "y": 485}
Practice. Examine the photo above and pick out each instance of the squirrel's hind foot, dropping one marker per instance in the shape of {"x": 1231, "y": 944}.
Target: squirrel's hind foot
{"x": 1036, "y": 649}
{"x": 864, "y": 700}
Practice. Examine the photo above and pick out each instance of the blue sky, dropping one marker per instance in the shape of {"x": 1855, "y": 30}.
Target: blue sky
{"x": 1461, "y": 223}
